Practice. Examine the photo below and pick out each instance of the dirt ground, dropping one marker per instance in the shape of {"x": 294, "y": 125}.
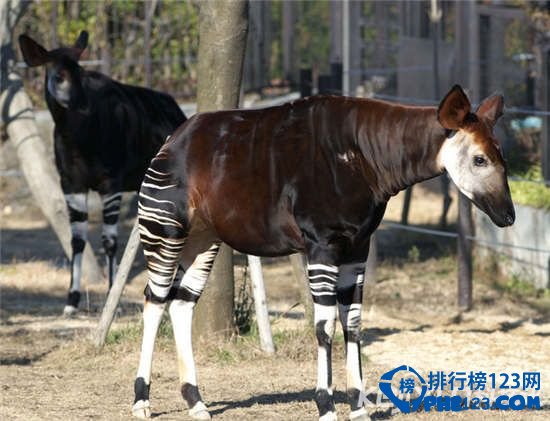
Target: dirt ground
{"x": 49, "y": 369}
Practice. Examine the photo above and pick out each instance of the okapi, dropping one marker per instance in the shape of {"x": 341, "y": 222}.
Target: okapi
{"x": 311, "y": 176}
{"x": 105, "y": 135}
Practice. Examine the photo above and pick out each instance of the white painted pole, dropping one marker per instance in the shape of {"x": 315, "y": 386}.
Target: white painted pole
{"x": 345, "y": 48}
{"x": 260, "y": 304}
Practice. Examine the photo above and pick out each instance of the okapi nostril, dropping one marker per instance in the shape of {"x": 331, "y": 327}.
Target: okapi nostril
{"x": 510, "y": 218}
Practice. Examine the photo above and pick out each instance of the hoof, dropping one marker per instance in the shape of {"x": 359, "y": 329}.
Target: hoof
{"x": 70, "y": 311}
{"x": 141, "y": 409}
{"x": 329, "y": 416}
{"x": 199, "y": 412}
{"x": 359, "y": 415}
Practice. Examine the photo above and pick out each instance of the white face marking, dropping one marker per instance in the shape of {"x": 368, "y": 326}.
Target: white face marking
{"x": 60, "y": 91}
{"x": 457, "y": 157}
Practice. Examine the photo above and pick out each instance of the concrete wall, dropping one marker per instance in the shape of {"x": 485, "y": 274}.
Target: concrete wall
{"x": 532, "y": 229}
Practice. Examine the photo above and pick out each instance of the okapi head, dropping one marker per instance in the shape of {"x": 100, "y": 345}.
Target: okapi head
{"x": 471, "y": 154}
{"x": 63, "y": 74}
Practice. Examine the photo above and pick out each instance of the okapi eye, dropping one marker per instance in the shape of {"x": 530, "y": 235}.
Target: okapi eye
{"x": 479, "y": 161}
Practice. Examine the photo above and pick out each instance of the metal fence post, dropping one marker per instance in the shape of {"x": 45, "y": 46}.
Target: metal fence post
{"x": 464, "y": 255}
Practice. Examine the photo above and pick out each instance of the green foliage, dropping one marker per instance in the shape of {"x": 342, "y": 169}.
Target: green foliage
{"x": 531, "y": 194}
{"x": 117, "y": 31}
{"x": 129, "y": 333}
{"x": 413, "y": 254}
{"x": 518, "y": 286}
{"x": 243, "y": 306}
{"x": 312, "y": 34}
{"x": 132, "y": 332}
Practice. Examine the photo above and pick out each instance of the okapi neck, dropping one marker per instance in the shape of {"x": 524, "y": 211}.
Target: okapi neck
{"x": 400, "y": 145}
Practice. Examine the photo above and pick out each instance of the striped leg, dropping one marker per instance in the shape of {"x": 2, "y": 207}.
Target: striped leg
{"x": 78, "y": 217}
{"x": 322, "y": 281}
{"x": 162, "y": 237}
{"x": 350, "y": 298}
{"x": 186, "y": 293}
{"x": 109, "y": 235}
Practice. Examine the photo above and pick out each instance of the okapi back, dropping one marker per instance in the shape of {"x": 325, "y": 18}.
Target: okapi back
{"x": 260, "y": 175}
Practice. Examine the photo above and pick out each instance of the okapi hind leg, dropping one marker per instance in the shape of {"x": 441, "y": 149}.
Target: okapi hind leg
{"x": 350, "y": 298}
{"x": 186, "y": 293}
{"x": 152, "y": 315}
{"x": 162, "y": 234}
{"x": 322, "y": 281}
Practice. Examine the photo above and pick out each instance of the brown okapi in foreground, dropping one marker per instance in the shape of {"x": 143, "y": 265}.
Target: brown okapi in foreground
{"x": 311, "y": 176}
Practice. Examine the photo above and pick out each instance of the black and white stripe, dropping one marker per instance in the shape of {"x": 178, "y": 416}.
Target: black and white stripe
{"x": 77, "y": 207}
{"x": 162, "y": 233}
{"x": 109, "y": 235}
{"x": 323, "y": 280}
{"x": 350, "y": 298}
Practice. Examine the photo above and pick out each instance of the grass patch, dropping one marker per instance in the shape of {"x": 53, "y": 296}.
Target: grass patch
{"x": 129, "y": 333}
{"x": 536, "y": 195}
{"x": 520, "y": 287}
{"x": 133, "y": 331}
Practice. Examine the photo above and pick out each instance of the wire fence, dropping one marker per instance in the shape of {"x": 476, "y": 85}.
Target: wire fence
{"x": 451, "y": 234}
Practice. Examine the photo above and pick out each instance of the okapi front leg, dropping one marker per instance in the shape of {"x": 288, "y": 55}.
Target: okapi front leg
{"x": 109, "y": 235}
{"x": 78, "y": 217}
{"x": 350, "y": 298}
{"x": 186, "y": 293}
{"x": 322, "y": 281}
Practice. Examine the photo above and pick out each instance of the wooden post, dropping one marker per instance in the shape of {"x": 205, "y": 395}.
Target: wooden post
{"x": 260, "y": 304}
{"x": 467, "y": 73}
{"x": 465, "y": 230}
{"x": 372, "y": 261}
{"x": 289, "y": 20}
{"x": 108, "y": 313}
{"x": 298, "y": 263}
{"x": 17, "y": 120}
{"x": 406, "y": 206}
{"x": 149, "y": 13}
{"x": 335, "y": 28}
{"x": 346, "y": 46}
{"x": 435, "y": 17}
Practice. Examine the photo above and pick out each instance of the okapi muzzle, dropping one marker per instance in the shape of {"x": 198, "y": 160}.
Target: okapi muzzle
{"x": 472, "y": 157}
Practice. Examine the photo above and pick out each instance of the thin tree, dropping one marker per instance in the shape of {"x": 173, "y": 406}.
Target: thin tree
{"x": 223, "y": 27}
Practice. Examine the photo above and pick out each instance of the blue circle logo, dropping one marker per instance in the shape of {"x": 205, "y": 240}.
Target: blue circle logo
{"x": 405, "y": 406}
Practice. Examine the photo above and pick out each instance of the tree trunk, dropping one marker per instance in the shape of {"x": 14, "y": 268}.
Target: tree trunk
{"x": 17, "y": 119}
{"x": 223, "y": 28}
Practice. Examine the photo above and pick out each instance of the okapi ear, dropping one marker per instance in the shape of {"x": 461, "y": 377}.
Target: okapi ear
{"x": 82, "y": 41}
{"x": 491, "y": 108}
{"x": 33, "y": 53}
{"x": 453, "y": 109}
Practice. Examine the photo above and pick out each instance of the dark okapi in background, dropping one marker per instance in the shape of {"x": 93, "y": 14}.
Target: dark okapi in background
{"x": 105, "y": 136}
{"x": 311, "y": 176}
